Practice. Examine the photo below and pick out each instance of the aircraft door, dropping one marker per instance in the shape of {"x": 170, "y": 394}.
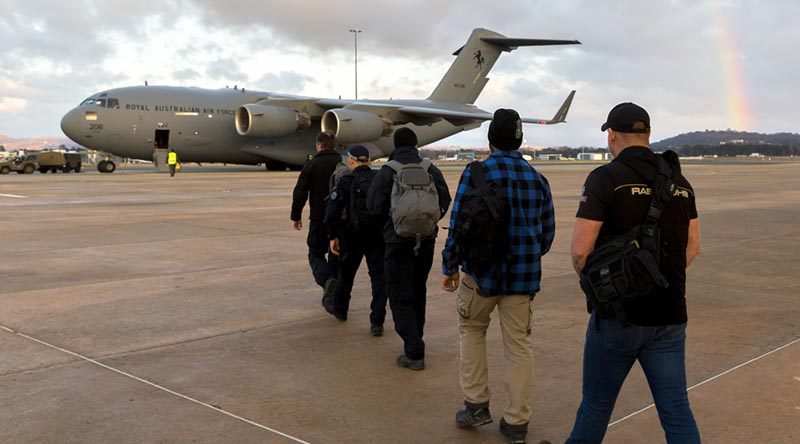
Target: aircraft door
{"x": 161, "y": 139}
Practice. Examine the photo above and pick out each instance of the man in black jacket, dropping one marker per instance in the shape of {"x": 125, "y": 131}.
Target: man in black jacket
{"x": 313, "y": 185}
{"x": 406, "y": 267}
{"x": 355, "y": 234}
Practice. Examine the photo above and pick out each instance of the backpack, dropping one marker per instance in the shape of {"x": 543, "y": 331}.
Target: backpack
{"x": 339, "y": 171}
{"x": 625, "y": 267}
{"x": 360, "y": 218}
{"x": 481, "y": 232}
{"x": 414, "y": 205}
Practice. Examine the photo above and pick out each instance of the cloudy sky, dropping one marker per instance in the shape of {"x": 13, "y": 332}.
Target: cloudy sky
{"x": 693, "y": 64}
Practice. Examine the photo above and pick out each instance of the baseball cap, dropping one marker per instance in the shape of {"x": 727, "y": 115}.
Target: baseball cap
{"x": 624, "y": 117}
{"x": 359, "y": 152}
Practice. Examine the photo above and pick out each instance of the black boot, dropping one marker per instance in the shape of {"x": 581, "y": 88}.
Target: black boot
{"x": 473, "y": 416}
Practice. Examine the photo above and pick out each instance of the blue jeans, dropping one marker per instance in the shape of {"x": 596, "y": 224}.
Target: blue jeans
{"x": 609, "y": 355}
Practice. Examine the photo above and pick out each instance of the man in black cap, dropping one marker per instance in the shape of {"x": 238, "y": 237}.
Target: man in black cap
{"x": 408, "y": 261}
{"x": 616, "y": 199}
{"x": 313, "y": 185}
{"x": 502, "y": 269}
{"x": 355, "y": 234}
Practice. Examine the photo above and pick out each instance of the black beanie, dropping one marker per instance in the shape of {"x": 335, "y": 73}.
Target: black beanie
{"x": 505, "y": 131}
{"x": 405, "y": 137}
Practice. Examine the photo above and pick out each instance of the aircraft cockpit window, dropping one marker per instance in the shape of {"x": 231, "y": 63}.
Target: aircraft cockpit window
{"x": 113, "y": 103}
{"x": 100, "y": 102}
{"x": 87, "y": 102}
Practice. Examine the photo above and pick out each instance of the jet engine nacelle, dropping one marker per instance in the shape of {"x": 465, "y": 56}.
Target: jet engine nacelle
{"x": 256, "y": 120}
{"x": 355, "y": 126}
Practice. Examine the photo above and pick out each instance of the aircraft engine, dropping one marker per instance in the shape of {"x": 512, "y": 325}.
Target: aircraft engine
{"x": 257, "y": 120}
{"x": 355, "y": 126}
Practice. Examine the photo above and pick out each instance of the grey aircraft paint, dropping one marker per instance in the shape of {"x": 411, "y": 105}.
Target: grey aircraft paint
{"x": 233, "y": 125}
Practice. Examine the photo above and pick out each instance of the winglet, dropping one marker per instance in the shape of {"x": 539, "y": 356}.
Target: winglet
{"x": 561, "y": 114}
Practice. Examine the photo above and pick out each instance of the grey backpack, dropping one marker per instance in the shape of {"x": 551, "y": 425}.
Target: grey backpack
{"x": 414, "y": 205}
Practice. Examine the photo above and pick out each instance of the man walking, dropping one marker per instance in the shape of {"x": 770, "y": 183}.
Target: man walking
{"x": 172, "y": 161}
{"x": 617, "y": 198}
{"x": 501, "y": 225}
{"x": 356, "y": 234}
{"x": 412, "y": 196}
{"x": 313, "y": 185}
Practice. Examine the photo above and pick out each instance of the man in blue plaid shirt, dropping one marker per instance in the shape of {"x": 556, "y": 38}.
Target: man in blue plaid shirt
{"x": 508, "y": 284}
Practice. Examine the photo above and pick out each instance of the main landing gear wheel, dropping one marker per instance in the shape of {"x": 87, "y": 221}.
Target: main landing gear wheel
{"x": 106, "y": 166}
{"x": 274, "y": 165}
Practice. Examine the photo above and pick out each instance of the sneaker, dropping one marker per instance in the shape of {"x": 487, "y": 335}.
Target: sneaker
{"x": 515, "y": 434}
{"x": 328, "y": 304}
{"x": 376, "y": 330}
{"x": 328, "y": 289}
{"x": 473, "y": 417}
{"x": 413, "y": 364}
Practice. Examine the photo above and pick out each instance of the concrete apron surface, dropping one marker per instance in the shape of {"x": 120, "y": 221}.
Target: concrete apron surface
{"x": 139, "y": 308}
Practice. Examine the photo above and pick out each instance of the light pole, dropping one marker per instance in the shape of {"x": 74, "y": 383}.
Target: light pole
{"x": 355, "y": 41}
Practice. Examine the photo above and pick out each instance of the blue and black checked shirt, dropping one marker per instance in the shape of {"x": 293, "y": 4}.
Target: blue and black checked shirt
{"x": 531, "y": 229}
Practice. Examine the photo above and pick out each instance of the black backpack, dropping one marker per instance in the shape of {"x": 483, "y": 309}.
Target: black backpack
{"x": 625, "y": 267}
{"x": 360, "y": 218}
{"x": 481, "y": 231}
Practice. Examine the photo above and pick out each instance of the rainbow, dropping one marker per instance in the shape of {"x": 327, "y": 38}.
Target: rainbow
{"x": 741, "y": 115}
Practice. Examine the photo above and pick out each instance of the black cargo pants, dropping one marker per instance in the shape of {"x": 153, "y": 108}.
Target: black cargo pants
{"x": 354, "y": 248}
{"x": 407, "y": 278}
{"x": 323, "y": 264}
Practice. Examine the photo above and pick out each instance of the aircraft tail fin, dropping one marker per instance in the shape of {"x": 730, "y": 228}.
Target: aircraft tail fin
{"x": 466, "y": 77}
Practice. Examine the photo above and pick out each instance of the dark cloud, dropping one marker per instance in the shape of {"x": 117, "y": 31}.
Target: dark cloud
{"x": 666, "y": 55}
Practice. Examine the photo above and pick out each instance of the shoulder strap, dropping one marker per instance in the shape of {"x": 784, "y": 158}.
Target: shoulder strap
{"x": 395, "y": 165}
{"x": 476, "y": 174}
{"x": 426, "y": 163}
{"x": 663, "y": 190}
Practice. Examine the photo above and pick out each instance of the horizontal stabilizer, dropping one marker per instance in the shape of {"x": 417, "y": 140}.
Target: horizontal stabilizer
{"x": 561, "y": 114}
{"x": 507, "y": 44}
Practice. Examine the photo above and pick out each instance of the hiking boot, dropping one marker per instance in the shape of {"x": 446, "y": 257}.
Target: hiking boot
{"x": 413, "y": 364}
{"x": 328, "y": 304}
{"x": 328, "y": 289}
{"x": 376, "y": 330}
{"x": 473, "y": 417}
{"x": 516, "y": 434}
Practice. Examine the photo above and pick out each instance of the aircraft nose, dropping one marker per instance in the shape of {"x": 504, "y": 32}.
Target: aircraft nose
{"x": 70, "y": 124}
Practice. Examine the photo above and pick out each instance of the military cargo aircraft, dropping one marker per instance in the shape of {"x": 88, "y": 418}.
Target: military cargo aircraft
{"x": 232, "y": 125}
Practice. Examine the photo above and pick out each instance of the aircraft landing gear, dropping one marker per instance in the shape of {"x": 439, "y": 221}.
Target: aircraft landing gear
{"x": 274, "y": 165}
{"x": 106, "y": 166}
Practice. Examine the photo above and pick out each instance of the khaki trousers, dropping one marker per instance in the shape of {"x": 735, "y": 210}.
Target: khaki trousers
{"x": 516, "y": 315}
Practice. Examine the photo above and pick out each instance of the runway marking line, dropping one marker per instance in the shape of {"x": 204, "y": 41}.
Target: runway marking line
{"x": 15, "y": 196}
{"x": 152, "y": 384}
{"x": 709, "y": 380}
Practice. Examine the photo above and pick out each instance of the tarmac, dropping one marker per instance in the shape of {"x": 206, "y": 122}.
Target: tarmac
{"x": 139, "y": 308}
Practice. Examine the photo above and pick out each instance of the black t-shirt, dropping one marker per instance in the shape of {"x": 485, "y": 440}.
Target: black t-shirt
{"x": 619, "y": 195}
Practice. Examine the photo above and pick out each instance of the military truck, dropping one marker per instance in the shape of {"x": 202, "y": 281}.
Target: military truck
{"x": 22, "y": 165}
{"x": 55, "y": 161}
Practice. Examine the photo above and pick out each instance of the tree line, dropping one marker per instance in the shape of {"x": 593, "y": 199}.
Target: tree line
{"x": 745, "y": 149}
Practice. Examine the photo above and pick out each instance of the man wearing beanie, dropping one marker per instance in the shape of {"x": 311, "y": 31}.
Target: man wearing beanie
{"x": 355, "y": 234}
{"x": 407, "y": 262}
{"x": 508, "y": 280}
{"x": 617, "y": 198}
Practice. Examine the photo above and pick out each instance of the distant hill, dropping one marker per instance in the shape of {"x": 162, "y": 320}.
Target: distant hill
{"x": 728, "y": 137}
{"x": 35, "y": 143}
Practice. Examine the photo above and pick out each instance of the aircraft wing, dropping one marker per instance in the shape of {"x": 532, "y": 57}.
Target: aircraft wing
{"x": 455, "y": 116}
{"x": 559, "y": 117}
